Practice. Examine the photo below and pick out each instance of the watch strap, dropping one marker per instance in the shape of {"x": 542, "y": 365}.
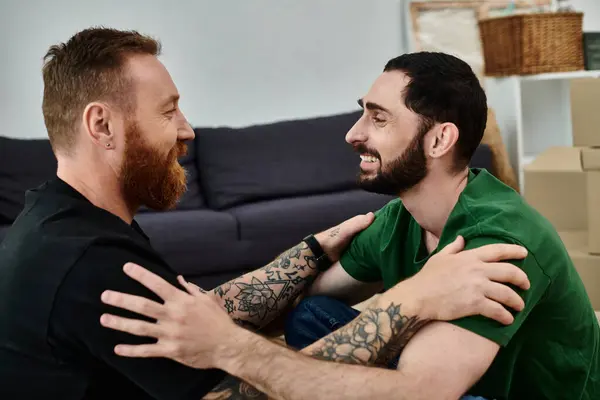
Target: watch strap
{"x": 323, "y": 262}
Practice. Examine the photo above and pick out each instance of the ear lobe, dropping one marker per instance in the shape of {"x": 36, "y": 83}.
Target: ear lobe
{"x": 96, "y": 122}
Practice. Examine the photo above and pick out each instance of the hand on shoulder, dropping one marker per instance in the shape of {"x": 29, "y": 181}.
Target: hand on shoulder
{"x": 454, "y": 283}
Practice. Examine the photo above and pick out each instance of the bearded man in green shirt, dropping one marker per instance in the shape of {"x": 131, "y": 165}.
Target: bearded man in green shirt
{"x": 423, "y": 118}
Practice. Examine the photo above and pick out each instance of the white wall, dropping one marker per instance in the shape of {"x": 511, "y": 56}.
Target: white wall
{"x": 591, "y": 13}
{"x": 235, "y": 62}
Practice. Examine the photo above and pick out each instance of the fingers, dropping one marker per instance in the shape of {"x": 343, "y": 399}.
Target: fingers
{"x": 454, "y": 247}
{"x": 360, "y": 222}
{"x": 507, "y": 273}
{"x": 495, "y": 311}
{"x": 190, "y": 287}
{"x": 132, "y": 326}
{"x": 152, "y": 281}
{"x": 141, "y": 350}
{"x": 368, "y": 219}
{"x": 504, "y": 295}
{"x": 499, "y": 252}
{"x": 136, "y": 304}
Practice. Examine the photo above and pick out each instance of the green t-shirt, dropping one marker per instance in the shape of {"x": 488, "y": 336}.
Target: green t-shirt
{"x": 551, "y": 349}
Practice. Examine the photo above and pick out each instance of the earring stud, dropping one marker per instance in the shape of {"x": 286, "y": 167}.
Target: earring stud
{"x": 107, "y": 144}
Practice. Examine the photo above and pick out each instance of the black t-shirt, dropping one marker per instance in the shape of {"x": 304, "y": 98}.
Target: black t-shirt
{"x": 61, "y": 253}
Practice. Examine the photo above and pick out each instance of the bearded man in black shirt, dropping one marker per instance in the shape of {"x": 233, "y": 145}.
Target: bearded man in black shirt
{"x": 112, "y": 115}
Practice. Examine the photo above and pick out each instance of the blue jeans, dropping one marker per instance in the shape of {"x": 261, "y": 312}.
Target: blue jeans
{"x": 318, "y": 316}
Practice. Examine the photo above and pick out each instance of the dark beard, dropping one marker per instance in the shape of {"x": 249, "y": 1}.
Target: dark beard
{"x": 149, "y": 178}
{"x": 403, "y": 173}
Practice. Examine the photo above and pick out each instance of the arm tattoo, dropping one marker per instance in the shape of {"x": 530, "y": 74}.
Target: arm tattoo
{"x": 223, "y": 289}
{"x": 376, "y": 337}
{"x": 246, "y": 324}
{"x": 231, "y": 388}
{"x": 256, "y": 298}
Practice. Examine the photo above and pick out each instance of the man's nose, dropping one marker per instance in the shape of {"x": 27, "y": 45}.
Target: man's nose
{"x": 186, "y": 132}
{"x": 355, "y": 134}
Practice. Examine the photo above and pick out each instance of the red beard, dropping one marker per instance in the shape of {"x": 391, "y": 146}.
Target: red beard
{"x": 149, "y": 178}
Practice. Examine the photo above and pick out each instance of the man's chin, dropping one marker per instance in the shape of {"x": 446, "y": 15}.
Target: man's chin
{"x": 376, "y": 185}
{"x": 167, "y": 197}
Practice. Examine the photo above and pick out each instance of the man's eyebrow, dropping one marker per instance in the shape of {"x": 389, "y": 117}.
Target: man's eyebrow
{"x": 171, "y": 100}
{"x": 372, "y": 106}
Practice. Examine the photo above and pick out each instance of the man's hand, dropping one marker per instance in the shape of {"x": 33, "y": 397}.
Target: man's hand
{"x": 455, "y": 283}
{"x": 256, "y": 298}
{"x": 192, "y": 328}
{"x": 335, "y": 240}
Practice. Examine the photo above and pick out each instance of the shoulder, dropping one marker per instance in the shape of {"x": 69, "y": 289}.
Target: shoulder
{"x": 100, "y": 268}
{"x": 389, "y": 214}
{"x": 485, "y": 197}
{"x": 497, "y": 213}
{"x": 386, "y": 220}
{"x": 76, "y": 333}
{"x": 361, "y": 257}
{"x": 77, "y": 305}
{"x": 392, "y": 206}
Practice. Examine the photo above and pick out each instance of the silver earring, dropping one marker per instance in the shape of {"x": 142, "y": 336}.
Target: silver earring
{"x": 107, "y": 145}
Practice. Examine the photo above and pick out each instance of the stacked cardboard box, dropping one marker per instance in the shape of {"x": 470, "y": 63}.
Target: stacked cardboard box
{"x": 563, "y": 184}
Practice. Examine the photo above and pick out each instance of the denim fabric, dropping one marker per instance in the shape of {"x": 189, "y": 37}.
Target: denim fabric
{"x": 318, "y": 316}
{"x": 314, "y": 318}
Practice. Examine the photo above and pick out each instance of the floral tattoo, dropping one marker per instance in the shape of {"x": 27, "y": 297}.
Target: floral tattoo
{"x": 257, "y": 297}
{"x": 376, "y": 337}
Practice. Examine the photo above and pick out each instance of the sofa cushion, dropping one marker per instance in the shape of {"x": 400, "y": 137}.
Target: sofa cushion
{"x": 193, "y": 241}
{"x": 290, "y": 158}
{"x": 24, "y": 164}
{"x": 273, "y": 226}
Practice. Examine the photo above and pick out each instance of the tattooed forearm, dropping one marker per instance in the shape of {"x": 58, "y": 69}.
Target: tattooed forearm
{"x": 231, "y": 388}
{"x": 256, "y": 298}
{"x": 245, "y": 324}
{"x": 376, "y": 337}
{"x": 400, "y": 337}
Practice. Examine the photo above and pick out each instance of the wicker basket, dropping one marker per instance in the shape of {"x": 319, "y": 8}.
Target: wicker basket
{"x": 532, "y": 43}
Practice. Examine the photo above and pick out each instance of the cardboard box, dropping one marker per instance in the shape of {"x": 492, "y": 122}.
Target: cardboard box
{"x": 587, "y": 265}
{"x": 555, "y": 185}
{"x": 590, "y": 161}
{"x": 585, "y": 93}
{"x": 563, "y": 184}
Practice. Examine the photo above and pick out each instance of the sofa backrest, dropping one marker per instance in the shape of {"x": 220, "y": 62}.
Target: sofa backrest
{"x": 27, "y": 163}
{"x": 24, "y": 164}
{"x": 288, "y": 158}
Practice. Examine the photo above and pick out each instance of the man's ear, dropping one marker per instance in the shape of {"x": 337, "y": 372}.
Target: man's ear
{"x": 97, "y": 124}
{"x": 442, "y": 139}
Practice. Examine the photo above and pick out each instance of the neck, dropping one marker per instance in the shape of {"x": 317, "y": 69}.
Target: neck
{"x": 97, "y": 183}
{"x": 431, "y": 201}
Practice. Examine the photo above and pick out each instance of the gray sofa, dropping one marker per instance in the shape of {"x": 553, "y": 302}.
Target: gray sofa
{"x": 253, "y": 192}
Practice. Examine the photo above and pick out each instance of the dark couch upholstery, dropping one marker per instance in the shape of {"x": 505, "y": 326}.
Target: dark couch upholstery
{"x": 253, "y": 192}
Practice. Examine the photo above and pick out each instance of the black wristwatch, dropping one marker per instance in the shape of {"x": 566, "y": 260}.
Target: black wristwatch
{"x": 323, "y": 262}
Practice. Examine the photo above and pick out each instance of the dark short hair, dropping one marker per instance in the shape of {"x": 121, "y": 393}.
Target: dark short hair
{"x": 444, "y": 88}
{"x": 88, "y": 67}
